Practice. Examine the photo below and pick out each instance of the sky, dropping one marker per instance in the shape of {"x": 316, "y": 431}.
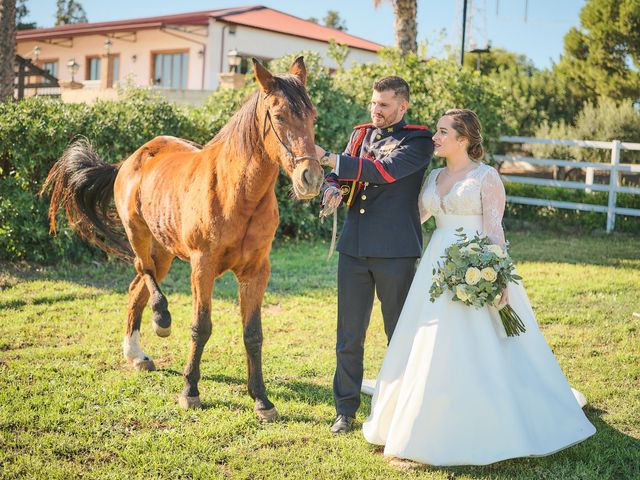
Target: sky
{"x": 537, "y": 32}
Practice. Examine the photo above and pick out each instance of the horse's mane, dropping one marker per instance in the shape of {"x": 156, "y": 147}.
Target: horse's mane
{"x": 243, "y": 131}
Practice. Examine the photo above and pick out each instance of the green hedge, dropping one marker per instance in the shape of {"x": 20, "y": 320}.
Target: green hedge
{"x": 35, "y": 131}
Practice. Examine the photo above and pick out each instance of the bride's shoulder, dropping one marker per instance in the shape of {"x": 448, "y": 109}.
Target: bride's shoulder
{"x": 487, "y": 171}
{"x": 489, "y": 177}
{"x": 434, "y": 173}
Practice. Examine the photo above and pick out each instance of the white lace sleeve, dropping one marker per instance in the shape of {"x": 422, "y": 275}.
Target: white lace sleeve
{"x": 493, "y": 203}
{"x": 425, "y": 214}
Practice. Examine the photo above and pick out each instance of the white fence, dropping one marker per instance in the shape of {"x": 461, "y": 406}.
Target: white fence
{"x": 613, "y": 187}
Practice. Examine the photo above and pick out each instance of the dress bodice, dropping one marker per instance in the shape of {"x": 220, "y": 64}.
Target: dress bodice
{"x": 480, "y": 192}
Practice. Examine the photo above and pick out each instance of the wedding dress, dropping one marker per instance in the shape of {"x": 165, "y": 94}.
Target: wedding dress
{"x": 453, "y": 389}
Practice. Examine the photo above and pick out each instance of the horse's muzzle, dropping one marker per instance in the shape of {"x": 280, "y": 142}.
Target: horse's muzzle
{"x": 307, "y": 178}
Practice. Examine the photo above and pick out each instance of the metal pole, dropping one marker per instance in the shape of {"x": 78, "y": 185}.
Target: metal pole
{"x": 614, "y": 183}
{"x": 464, "y": 28}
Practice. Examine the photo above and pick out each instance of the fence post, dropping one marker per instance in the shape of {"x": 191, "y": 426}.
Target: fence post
{"x": 589, "y": 177}
{"x": 614, "y": 183}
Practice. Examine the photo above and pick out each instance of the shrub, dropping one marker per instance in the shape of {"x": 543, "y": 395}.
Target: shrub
{"x": 33, "y": 134}
{"x": 605, "y": 121}
{"x": 436, "y": 86}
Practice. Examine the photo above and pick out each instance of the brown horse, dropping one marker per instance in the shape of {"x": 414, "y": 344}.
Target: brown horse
{"x": 214, "y": 206}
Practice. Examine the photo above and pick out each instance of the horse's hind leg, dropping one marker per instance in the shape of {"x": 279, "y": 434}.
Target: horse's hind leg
{"x": 149, "y": 263}
{"x": 138, "y": 297}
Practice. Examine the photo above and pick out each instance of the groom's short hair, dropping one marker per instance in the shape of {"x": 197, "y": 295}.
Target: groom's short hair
{"x": 397, "y": 84}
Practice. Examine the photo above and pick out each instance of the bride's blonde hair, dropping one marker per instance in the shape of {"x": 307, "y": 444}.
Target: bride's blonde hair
{"x": 467, "y": 124}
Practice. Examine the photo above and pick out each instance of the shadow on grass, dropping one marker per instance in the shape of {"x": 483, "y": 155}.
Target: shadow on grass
{"x": 45, "y": 300}
{"x": 302, "y": 269}
{"x": 278, "y": 391}
{"x": 609, "y": 454}
{"x": 296, "y": 269}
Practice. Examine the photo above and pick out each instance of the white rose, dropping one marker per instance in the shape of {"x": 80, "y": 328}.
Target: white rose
{"x": 461, "y": 293}
{"x": 489, "y": 274}
{"x": 497, "y": 250}
{"x": 472, "y": 276}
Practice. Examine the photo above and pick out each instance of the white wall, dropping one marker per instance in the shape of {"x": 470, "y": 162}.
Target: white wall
{"x": 140, "y": 68}
{"x": 246, "y": 40}
{"x": 264, "y": 44}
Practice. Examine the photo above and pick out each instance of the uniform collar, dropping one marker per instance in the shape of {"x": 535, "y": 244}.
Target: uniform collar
{"x": 391, "y": 129}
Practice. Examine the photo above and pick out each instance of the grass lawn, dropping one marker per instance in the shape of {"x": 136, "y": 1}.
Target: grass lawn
{"x": 71, "y": 407}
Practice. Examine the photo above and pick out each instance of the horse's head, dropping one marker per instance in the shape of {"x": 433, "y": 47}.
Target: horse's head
{"x": 287, "y": 117}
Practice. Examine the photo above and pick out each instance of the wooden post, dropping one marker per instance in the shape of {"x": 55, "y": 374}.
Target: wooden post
{"x": 21, "y": 76}
{"x": 106, "y": 72}
{"x": 614, "y": 183}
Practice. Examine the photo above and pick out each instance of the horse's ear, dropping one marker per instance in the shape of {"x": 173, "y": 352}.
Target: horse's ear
{"x": 264, "y": 77}
{"x": 299, "y": 70}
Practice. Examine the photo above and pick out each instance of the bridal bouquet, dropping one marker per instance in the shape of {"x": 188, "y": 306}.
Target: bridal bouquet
{"x": 477, "y": 272}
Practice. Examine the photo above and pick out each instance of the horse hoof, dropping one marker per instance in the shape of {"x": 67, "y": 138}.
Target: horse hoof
{"x": 161, "y": 331}
{"x": 267, "y": 416}
{"x": 144, "y": 365}
{"x": 189, "y": 402}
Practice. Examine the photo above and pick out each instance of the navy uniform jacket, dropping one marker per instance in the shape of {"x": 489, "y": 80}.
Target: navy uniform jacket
{"x": 380, "y": 174}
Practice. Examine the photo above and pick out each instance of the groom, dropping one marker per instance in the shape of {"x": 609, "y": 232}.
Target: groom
{"x": 378, "y": 177}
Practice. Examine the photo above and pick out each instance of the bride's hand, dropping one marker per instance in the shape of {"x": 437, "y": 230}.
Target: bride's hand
{"x": 504, "y": 299}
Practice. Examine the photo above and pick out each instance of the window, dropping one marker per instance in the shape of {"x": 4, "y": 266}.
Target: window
{"x": 51, "y": 66}
{"x": 93, "y": 68}
{"x": 115, "y": 63}
{"x": 170, "y": 70}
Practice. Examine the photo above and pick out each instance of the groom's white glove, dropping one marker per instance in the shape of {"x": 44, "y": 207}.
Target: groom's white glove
{"x": 330, "y": 201}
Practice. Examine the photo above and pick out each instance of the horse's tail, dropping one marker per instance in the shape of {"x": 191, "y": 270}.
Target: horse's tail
{"x": 81, "y": 183}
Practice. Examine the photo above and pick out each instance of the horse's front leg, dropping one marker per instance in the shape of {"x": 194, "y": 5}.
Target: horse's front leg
{"x": 202, "y": 278}
{"x": 251, "y": 288}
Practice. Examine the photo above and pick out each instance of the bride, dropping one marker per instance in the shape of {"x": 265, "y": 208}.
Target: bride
{"x": 453, "y": 388}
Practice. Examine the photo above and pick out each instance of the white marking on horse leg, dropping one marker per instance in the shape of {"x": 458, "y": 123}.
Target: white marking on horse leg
{"x": 132, "y": 351}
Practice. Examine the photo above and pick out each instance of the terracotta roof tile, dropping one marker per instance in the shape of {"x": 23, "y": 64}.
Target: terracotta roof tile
{"x": 251, "y": 16}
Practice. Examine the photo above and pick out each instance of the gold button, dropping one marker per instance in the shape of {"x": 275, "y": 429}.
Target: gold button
{"x": 362, "y": 210}
{"x": 366, "y": 184}
{"x": 364, "y": 197}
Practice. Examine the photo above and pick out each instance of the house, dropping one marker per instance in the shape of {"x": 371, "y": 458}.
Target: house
{"x": 183, "y": 52}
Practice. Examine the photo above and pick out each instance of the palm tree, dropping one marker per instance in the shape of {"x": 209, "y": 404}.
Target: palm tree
{"x": 8, "y": 50}
{"x": 406, "y": 27}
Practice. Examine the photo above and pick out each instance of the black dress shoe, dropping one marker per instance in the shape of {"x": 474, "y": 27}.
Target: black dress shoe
{"x": 343, "y": 424}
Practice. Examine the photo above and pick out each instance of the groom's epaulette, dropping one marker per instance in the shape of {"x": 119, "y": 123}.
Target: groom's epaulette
{"x": 364, "y": 125}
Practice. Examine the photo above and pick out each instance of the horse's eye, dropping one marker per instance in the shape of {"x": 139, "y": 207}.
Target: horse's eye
{"x": 278, "y": 117}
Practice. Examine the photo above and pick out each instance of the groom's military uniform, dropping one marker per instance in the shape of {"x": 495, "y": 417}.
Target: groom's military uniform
{"x": 380, "y": 175}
